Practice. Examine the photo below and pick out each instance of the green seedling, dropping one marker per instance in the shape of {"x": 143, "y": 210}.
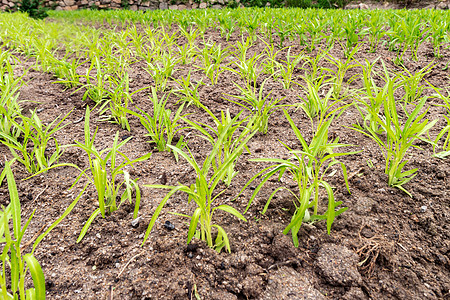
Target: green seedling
{"x": 260, "y": 107}
{"x": 108, "y": 186}
{"x": 445, "y": 132}
{"x": 307, "y": 168}
{"x": 188, "y": 91}
{"x": 12, "y": 256}
{"x": 204, "y": 195}
{"x": 399, "y": 137}
{"x": 235, "y": 135}
{"x": 162, "y": 125}
{"x": 31, "y": 145}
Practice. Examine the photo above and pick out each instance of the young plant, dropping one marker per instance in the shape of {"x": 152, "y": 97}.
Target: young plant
{"x": 236, "y": 133}
{"x": 446, "y": 130}
{"x": 109, "y": 187}
{"x": 248, "y": 69}
{"x": 412, "y": 84}
{"x": 314, "y": 104}
{"x": 269, "y": 64}
{"x": 162, "y": 125}
{"x": 212, "y": 57}
{"x": 260, "y": 107}
{"x": 161, "y": 69}
{"x": 307, "y": 168}
{"x": 341, "y": 70}
{"x": 287, "y": 68}
{"x": 399, "y": 137}
{"x": 30, "y": 147}
{"x": 118, "y": 100}
{"x": 9, "y": 95}
{"x": 12, "y": 253}
{"x": 204, "y": 195}
{"x": 189, "y": 91}
{"x": 66, "y": 72}
{"x": 95, "y": 85}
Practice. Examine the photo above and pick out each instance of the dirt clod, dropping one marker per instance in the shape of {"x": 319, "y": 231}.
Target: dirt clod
{"x": 338, "y": 265}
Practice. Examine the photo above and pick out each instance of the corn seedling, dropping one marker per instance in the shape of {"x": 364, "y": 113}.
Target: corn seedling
{"x": 287, "y": 67}
{"x": 341, "y": 70}
{"x": 9, "y": 94}
{"x": 162, "y": 125}
{"x": 188, "y": 91}
{"x": 30, "y": 147}
{"x": 118, "y": 100}
{"x": 236, "y": 133}
{"x": 66, "y": 72}
{"x": 106, "y": 169}
{"x": 399, "y": 137}
{"x": 412, "y": 84}
{"x": 204, "y": 193}
{"x": 307, "y": 168}
{"x": 12, "y": 253}
{"x": 445, "y": 132}
{"x": 316, "y": 101}
{"x": 259, "y": 106}
{"x": 95, "y": 86}
{"x": 211, "y": 57}
{"x": 370, "y": 100}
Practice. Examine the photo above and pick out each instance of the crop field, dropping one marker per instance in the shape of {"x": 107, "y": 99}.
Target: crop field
{"x": 225, "y": 154}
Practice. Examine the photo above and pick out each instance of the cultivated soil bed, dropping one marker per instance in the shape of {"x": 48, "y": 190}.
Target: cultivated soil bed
{"x": 386, "y": 246}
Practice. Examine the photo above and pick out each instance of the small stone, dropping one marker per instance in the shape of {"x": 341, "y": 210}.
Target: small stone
{"x": 363, "y": 206}
{"x": 169, "y": 225}
{"x": 163, "y": 5}
{"x": 135, "y": 222}
{"x": 203, "y": 5}
{"x": 363, "y": 6}
{"x": 442, "y": 6}
{"x": 98, "y": 235}
{"x": 191, "y": 247}
{"x": 198, "y": 257}
{"x": 423, "y": 209}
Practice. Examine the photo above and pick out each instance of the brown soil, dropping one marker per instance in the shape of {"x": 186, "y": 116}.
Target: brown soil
{"x": 386, "y": 246}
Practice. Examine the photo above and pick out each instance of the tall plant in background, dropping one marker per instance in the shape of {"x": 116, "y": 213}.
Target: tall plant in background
{"x": 33, "y": 8}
